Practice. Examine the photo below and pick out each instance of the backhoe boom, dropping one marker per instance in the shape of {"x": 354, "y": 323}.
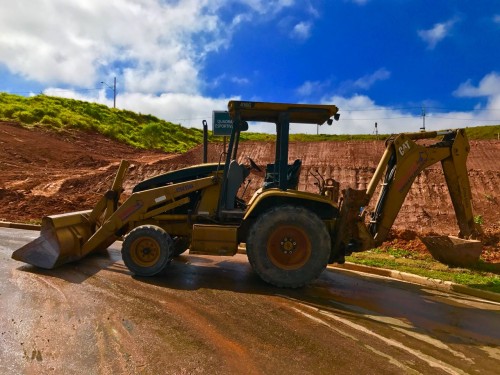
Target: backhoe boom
{"x": 402, "y": 162}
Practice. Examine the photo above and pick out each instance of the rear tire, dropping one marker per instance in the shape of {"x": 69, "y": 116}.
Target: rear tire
{"x": 288, "y": 246}
{"x": 147, "y": 250}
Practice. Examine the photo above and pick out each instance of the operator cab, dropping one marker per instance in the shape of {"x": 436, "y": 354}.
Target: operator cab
{"x": 278, "y": 175}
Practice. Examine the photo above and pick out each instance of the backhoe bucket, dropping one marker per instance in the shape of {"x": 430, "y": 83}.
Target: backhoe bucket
{"x": 61, "y": 239}
{"x": 452, "y": 250}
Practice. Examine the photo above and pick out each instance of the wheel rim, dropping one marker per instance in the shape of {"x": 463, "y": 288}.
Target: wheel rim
{"x": 288, "y": 247}
{"x": 145, "y": 251}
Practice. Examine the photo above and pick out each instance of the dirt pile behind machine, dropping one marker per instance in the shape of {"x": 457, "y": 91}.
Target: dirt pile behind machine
{"x": 290, "y": 235}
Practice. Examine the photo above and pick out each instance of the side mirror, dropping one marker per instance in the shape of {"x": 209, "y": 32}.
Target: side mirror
{"x": 335, "y": 117}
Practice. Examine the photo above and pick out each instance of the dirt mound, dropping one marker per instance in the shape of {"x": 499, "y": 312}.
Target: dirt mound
{"x": 43, "y": 173}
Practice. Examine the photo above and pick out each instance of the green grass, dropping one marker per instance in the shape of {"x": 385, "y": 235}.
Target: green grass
{"x": 485, "y": 276}
{"x": 484, "y": 132}
{"x": 145, "y": 131}
{"x": 138, "y": 130}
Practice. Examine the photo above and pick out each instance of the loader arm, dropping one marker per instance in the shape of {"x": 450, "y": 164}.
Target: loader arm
{"x": 144, "y": 205}
{"x": 69, "y": 237}
{"x": 402, "y": 162}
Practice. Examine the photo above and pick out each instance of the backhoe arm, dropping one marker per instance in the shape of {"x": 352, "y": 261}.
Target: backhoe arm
{"x": 402, "y": 162}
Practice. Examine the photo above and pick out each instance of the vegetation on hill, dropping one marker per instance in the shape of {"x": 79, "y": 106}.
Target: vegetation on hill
{"x": 144, "y": 131}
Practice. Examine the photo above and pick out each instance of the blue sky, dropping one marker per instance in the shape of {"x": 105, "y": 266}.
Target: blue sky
{"x": 383, "y": 61}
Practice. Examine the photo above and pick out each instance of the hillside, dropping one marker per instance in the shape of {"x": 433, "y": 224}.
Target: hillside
{"x": 137, "y": 130}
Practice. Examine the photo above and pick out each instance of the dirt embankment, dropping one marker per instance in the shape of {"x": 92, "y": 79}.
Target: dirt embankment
{"x": 46, "y": 173}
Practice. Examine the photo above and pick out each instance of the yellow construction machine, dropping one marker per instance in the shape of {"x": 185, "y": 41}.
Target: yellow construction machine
{"x": 290, "y": 235}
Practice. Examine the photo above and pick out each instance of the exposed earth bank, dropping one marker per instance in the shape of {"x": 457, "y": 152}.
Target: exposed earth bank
{"x": 44, "y": 173}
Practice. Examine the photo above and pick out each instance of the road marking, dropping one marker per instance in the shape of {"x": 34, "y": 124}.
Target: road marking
{"x": 406, "y": 329}
{"x": 394, "y": 361}
{"x": 320, "y": 321}
{"x": 492, "y": 352}
{"x": 433, "y": 362}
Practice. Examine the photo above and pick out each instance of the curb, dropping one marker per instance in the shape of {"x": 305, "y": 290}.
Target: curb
{"x": 5, "y": 224}
{"x": 446, "y": 286}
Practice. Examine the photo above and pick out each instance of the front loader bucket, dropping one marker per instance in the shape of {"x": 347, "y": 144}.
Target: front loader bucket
{"x": 61, "y": 239}
{"x": 65, "y": 238}
{"x": 453, "y": 251}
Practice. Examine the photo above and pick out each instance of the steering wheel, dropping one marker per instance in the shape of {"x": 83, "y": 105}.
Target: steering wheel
{"x": 254, "y": 165}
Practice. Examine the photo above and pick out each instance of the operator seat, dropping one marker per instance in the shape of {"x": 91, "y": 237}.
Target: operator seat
{"x": 236, "y": 174}
{"x": 292, "y": 176}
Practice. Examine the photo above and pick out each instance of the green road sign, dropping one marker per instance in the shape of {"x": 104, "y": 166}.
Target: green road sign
{"x": 221, "y": 123}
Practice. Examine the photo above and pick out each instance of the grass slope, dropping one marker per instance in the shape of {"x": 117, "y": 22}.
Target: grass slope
{"x": 144, "y": 131}
{"x": 482, "y": 275}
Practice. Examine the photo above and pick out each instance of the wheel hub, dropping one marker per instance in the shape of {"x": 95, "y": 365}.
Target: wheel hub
{"x": 145, "y": 251}
{"x": 288, "y": 247}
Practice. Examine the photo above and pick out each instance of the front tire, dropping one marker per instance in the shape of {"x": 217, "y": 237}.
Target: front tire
{"x": 147, "y": 250}
{"x": 288, "y": 246}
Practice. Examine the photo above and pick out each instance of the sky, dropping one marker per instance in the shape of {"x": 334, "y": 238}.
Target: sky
{"x": 397, "y": 63}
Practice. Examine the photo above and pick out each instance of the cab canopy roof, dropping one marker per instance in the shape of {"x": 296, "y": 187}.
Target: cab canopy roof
{"x": 271, "y": 112}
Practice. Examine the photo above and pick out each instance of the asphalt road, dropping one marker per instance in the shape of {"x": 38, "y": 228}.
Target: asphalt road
{"x": 211, "y": 315}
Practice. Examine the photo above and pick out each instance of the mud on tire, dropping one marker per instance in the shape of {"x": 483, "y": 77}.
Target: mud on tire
{"x": 147, "y": 250}
{"x": 288, "y": 246}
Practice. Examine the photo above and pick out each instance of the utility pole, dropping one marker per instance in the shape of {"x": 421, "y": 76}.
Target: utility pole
{"x": 423, "y": 119}
{"x": 114, "y": 90}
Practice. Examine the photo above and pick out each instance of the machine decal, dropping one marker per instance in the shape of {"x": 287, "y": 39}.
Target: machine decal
{"x": 131, "y": 210}
{"x": 160, "y": 199}
{"x": 413, "y": 171}
{"x": 180, "y": 189}
{"x": 404, "y": 147}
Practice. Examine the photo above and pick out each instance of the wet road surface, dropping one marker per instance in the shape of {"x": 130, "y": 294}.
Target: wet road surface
{"x": 212, "y": 315}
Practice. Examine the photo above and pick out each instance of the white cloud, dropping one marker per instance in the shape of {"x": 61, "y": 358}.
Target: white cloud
{"x": 74, "y": 42}
{"x": 359, "y": 113}
{"x": 369, "y": 80}
{"x": 488, "y": 86}
{"x": 154, "y": 46}
{"x": 158, "y": 46}
{"x": 180, "y": 108}
{"x": 312, "y": 88}
{"x": 301, "y": 31}
{"x": 268, "y": 6}
{"x": 240, "y": 80}
{"x": 316, "y": 89}
{"x": 437, "y": 33}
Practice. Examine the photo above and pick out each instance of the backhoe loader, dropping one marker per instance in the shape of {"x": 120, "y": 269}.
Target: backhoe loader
{"x": 290, "y": 235}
